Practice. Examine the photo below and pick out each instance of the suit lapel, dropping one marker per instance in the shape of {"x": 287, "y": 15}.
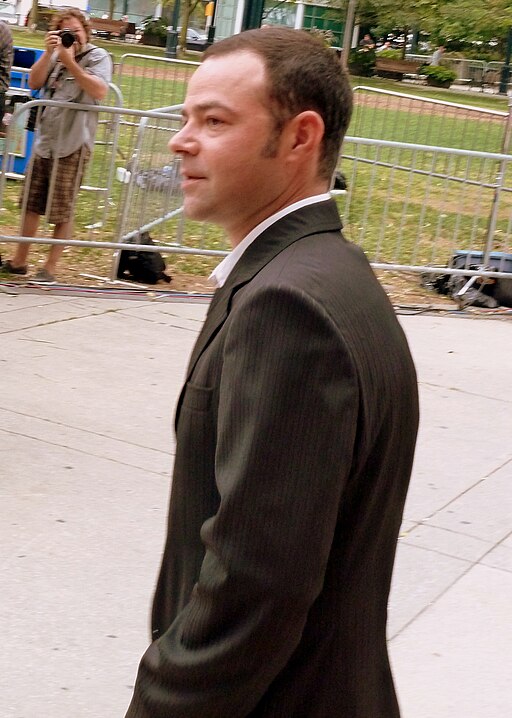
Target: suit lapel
{"x": 313, "y": 219}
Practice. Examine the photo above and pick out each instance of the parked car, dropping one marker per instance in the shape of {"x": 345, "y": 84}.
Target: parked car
{"x": 154, "y": 31}
{"x": 196, "y": 40}
{"x": 8, "y": 13}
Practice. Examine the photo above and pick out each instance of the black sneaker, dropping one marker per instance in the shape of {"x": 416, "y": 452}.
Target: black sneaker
{"x": 8, "y": 268}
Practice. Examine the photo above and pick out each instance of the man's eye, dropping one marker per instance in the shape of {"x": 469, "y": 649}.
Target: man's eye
{"x": 213, "y": 121}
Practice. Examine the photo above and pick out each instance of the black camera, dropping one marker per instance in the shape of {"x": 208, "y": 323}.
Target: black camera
{"x": 67, "y": 37}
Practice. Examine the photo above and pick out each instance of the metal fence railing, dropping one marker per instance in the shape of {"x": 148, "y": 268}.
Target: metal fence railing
{"x": 387, "y": 115}
{"x": 478, "y": 73}
{"x": 147, "y": 82}
{"x": 414, "y": 206}
{"x": 100, "y": 197}
{"x": 99, "y": 176}
{"x": 413, "y": 199}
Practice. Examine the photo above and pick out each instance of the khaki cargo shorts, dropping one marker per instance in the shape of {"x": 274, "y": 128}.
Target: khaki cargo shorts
{"x": 69, "y": 172}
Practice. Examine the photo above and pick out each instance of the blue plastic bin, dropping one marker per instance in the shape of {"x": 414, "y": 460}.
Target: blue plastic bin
{"x": 24, "y": 57}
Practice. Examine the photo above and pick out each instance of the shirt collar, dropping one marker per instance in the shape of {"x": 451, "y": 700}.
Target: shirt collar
{"x": 222, "y": 271}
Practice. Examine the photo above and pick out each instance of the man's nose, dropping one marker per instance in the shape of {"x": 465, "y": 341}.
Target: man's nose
{"x": 183, "y": 141}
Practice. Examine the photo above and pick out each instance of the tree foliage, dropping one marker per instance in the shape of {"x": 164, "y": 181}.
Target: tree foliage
{"x": 463, "y": 20}
{"x": 475, "y": 19}
{"x": 391, "y": 14}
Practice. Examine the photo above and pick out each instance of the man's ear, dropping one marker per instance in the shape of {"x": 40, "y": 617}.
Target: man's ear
{"x": 306, "y": 132}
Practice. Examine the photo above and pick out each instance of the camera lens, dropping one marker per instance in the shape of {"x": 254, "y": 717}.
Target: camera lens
{"x": 67, "y": 37}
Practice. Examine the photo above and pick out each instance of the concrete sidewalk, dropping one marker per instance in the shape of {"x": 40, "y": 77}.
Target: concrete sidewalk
{"x": 88, "y": 394}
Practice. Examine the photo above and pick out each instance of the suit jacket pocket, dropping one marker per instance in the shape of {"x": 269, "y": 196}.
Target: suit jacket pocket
{"x": 197, "y": 398}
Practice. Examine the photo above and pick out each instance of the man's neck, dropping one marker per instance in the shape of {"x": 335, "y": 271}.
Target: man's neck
{"x": 222, "y": 271}
{"x": 237, "y": 234}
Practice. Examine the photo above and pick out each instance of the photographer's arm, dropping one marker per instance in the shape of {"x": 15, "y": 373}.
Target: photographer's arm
{"x": 39, "y": 70}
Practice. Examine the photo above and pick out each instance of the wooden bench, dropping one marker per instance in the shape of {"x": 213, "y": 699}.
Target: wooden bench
{"x": 106, "y": 27}
{"x": 395, "y": 69}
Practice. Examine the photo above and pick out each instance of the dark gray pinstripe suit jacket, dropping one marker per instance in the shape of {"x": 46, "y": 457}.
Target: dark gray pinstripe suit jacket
{"x": 295, "y": 439}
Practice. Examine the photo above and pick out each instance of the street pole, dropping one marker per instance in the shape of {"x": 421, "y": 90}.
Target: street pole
{"x": 171, "y": 44}
{"x": 176, "y": 15}
{"x": 347, "y": 34}
{"x": 210, "y": 10}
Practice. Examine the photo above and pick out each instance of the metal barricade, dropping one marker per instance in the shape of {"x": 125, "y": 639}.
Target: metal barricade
{"x": 164, "y": 80}
{"x": 409, "y": 206}
{"x": 471, "y": 70}
{"x": 99, "y": 174}
{"x": 95, "y": 200}
{"x": 423, "y": 59}
{"x": 412, "y": 206}
{"x": 492, "y": 76}
{"x": 475, "y": 71}
{"x": 147, "y": 196}
{"x": 151, "y": 193}
{"x": 388, "y": 115}
{"x": 495, "y": 66}
{"x": 151, "y": 200}
{"x": 21, "y": 74}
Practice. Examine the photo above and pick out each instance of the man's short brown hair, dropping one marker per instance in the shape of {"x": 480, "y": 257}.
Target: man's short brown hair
{"x": 58, "y": 20}
{"x": 302, "y": 75}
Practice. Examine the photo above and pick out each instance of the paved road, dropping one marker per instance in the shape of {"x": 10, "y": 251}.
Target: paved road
{"x": 88, "y": 394}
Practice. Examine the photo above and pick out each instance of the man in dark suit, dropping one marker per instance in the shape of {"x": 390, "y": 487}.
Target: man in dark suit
{"x": 297, "y": 422}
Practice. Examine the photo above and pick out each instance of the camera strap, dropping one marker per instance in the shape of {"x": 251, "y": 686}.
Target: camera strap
{"x": 81, "y": 55}
{"x": 62, "y": 69}
{"x": 51, "y": 90}
{"x": 43, "y": 86}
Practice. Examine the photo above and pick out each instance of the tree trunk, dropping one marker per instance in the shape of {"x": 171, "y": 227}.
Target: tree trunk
{"x": 111, "y": 8}
{"x": 185, "y": 17}
{"x": 34, "y": 14}
{"x": 404, "y": 50}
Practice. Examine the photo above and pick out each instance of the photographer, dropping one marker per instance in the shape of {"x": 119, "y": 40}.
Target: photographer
{"x": 64, "y": 139}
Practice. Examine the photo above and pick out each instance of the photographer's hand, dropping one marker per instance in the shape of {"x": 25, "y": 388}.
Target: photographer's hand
{"x": 66, "y": 55}
{"x": 52, "y": 41}
{"x": 39, "y": 70}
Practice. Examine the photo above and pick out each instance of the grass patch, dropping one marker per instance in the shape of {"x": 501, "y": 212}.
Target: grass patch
{"x": 478, "y": 133}
{"x": 476, "y": 99}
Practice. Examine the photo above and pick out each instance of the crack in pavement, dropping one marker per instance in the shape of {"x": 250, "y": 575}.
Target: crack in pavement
{"x": 431, "y": 385}
{"x": 52, "y": 422}
{"x": 86, "y": 453}
{"x": 447, "y": 588}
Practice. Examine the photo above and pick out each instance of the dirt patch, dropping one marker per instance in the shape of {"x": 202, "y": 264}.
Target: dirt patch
{"x": 162, "y": 72}
{"x": 382, "y": 101}
{"x": 405, "y": 289}
{"x": 94, "y": 270}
